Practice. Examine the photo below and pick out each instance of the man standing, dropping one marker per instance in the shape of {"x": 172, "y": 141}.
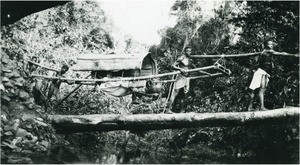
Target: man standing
{"x": 181, "y": 83}
{"x": 261, "y": 76}
{"x": 55, "y": 85}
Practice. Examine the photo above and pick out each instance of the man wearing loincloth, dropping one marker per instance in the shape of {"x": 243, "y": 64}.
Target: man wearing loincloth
{"x": 261, "y": 76}
{"x": 181, "y": 82}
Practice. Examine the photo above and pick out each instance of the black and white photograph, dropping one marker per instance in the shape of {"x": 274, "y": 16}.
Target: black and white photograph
{"x": 149, "y": 82}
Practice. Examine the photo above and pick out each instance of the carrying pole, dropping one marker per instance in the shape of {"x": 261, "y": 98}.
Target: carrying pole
{"x": 125, "y": 78}
{"x": 62, "y": 100}
{"x": 45, "y": 67}
{"x": 245, "y": 55}
{"x": 68, "y": 95}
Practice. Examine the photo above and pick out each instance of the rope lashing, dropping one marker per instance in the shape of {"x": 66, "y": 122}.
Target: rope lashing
{"x": 221, "y": 65}
{"x": 222, "y": 68}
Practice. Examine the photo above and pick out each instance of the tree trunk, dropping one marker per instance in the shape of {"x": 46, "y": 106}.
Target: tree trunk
{"x": 141, "y": 122}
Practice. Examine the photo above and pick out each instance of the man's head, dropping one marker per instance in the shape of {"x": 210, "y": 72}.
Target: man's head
{"x": 71, "y": 62}
{"x": 188, "y": 51}
{"x": 64, "y": 69}
{"x": 34, "y": 59}
{"x": 269, "y": 45}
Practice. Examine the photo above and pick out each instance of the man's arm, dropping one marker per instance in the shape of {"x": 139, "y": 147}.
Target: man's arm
{"x": 174, "y": 66}
{"x": 70, "y": 82}
{"x": 192, "y": 64}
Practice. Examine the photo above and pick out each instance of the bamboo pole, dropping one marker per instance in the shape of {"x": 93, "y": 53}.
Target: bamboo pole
{"x": 167, "y": 81}
{"x": 141, "y": 122}
{"x": 205, "y": 76}
{"x": 52, "y": 69}
{"x": 226, "y": 56}
{"x": 192, "y": 78}
{"x": 86, "y": 83}
{"x": 286, "y": 54}
{"x": 124, "y": 78}
{"x": 205, "y": 72}
{"x": 244, "y": 55}
{"x": 62, "y": 100}
{"x": 68, "y": 95}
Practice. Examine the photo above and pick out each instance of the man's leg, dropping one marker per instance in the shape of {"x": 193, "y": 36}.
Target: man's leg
{"x": 134, "y": 98}
{"x": 51, "y": 91}
{"x": 186, "y": 89}
{"x": 250, "y": 106}
{"x": 262, "y": 90}
{"x": 172, "y": 98}
{"x": 57, "y": 93}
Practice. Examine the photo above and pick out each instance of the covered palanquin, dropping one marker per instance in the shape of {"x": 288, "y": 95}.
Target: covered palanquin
{"x": 120, "y": 66}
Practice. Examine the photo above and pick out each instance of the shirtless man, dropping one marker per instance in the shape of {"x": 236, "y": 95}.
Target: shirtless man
{"x": 55, "y": 85}
{"x": 181, "y": 82}
{"x": 261, "y": 76}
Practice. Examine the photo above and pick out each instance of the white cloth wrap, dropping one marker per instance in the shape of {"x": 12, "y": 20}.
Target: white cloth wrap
{"x": 256, "y": 80}
{"x": 182, "y": 82}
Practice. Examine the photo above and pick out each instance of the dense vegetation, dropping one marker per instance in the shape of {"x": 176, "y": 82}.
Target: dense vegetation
{"x": 59, "y": 34}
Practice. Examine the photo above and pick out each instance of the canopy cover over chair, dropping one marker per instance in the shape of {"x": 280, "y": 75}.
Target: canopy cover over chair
{"x": 118, "y": 65}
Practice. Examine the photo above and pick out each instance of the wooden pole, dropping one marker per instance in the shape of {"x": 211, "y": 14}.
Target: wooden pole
{"x": 205, "y": 72}
{"x": 226, "y": 56}
{"x": 62, "y": 100}
{"x": 192, "y": 78}
{"x": 286, "y": 54}
{"x": 164, "y": 81}
{"x": 42, "y": 66}
{"x": 205, "y": 76}
{"x": 243, "y": 55}
{"x": 68, "y": 95}
{"x": 125, "y": 78}
{"x": 141, "y": 122}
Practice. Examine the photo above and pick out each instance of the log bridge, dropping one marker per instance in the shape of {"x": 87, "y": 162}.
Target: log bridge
{"x": 66, "y": 124}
